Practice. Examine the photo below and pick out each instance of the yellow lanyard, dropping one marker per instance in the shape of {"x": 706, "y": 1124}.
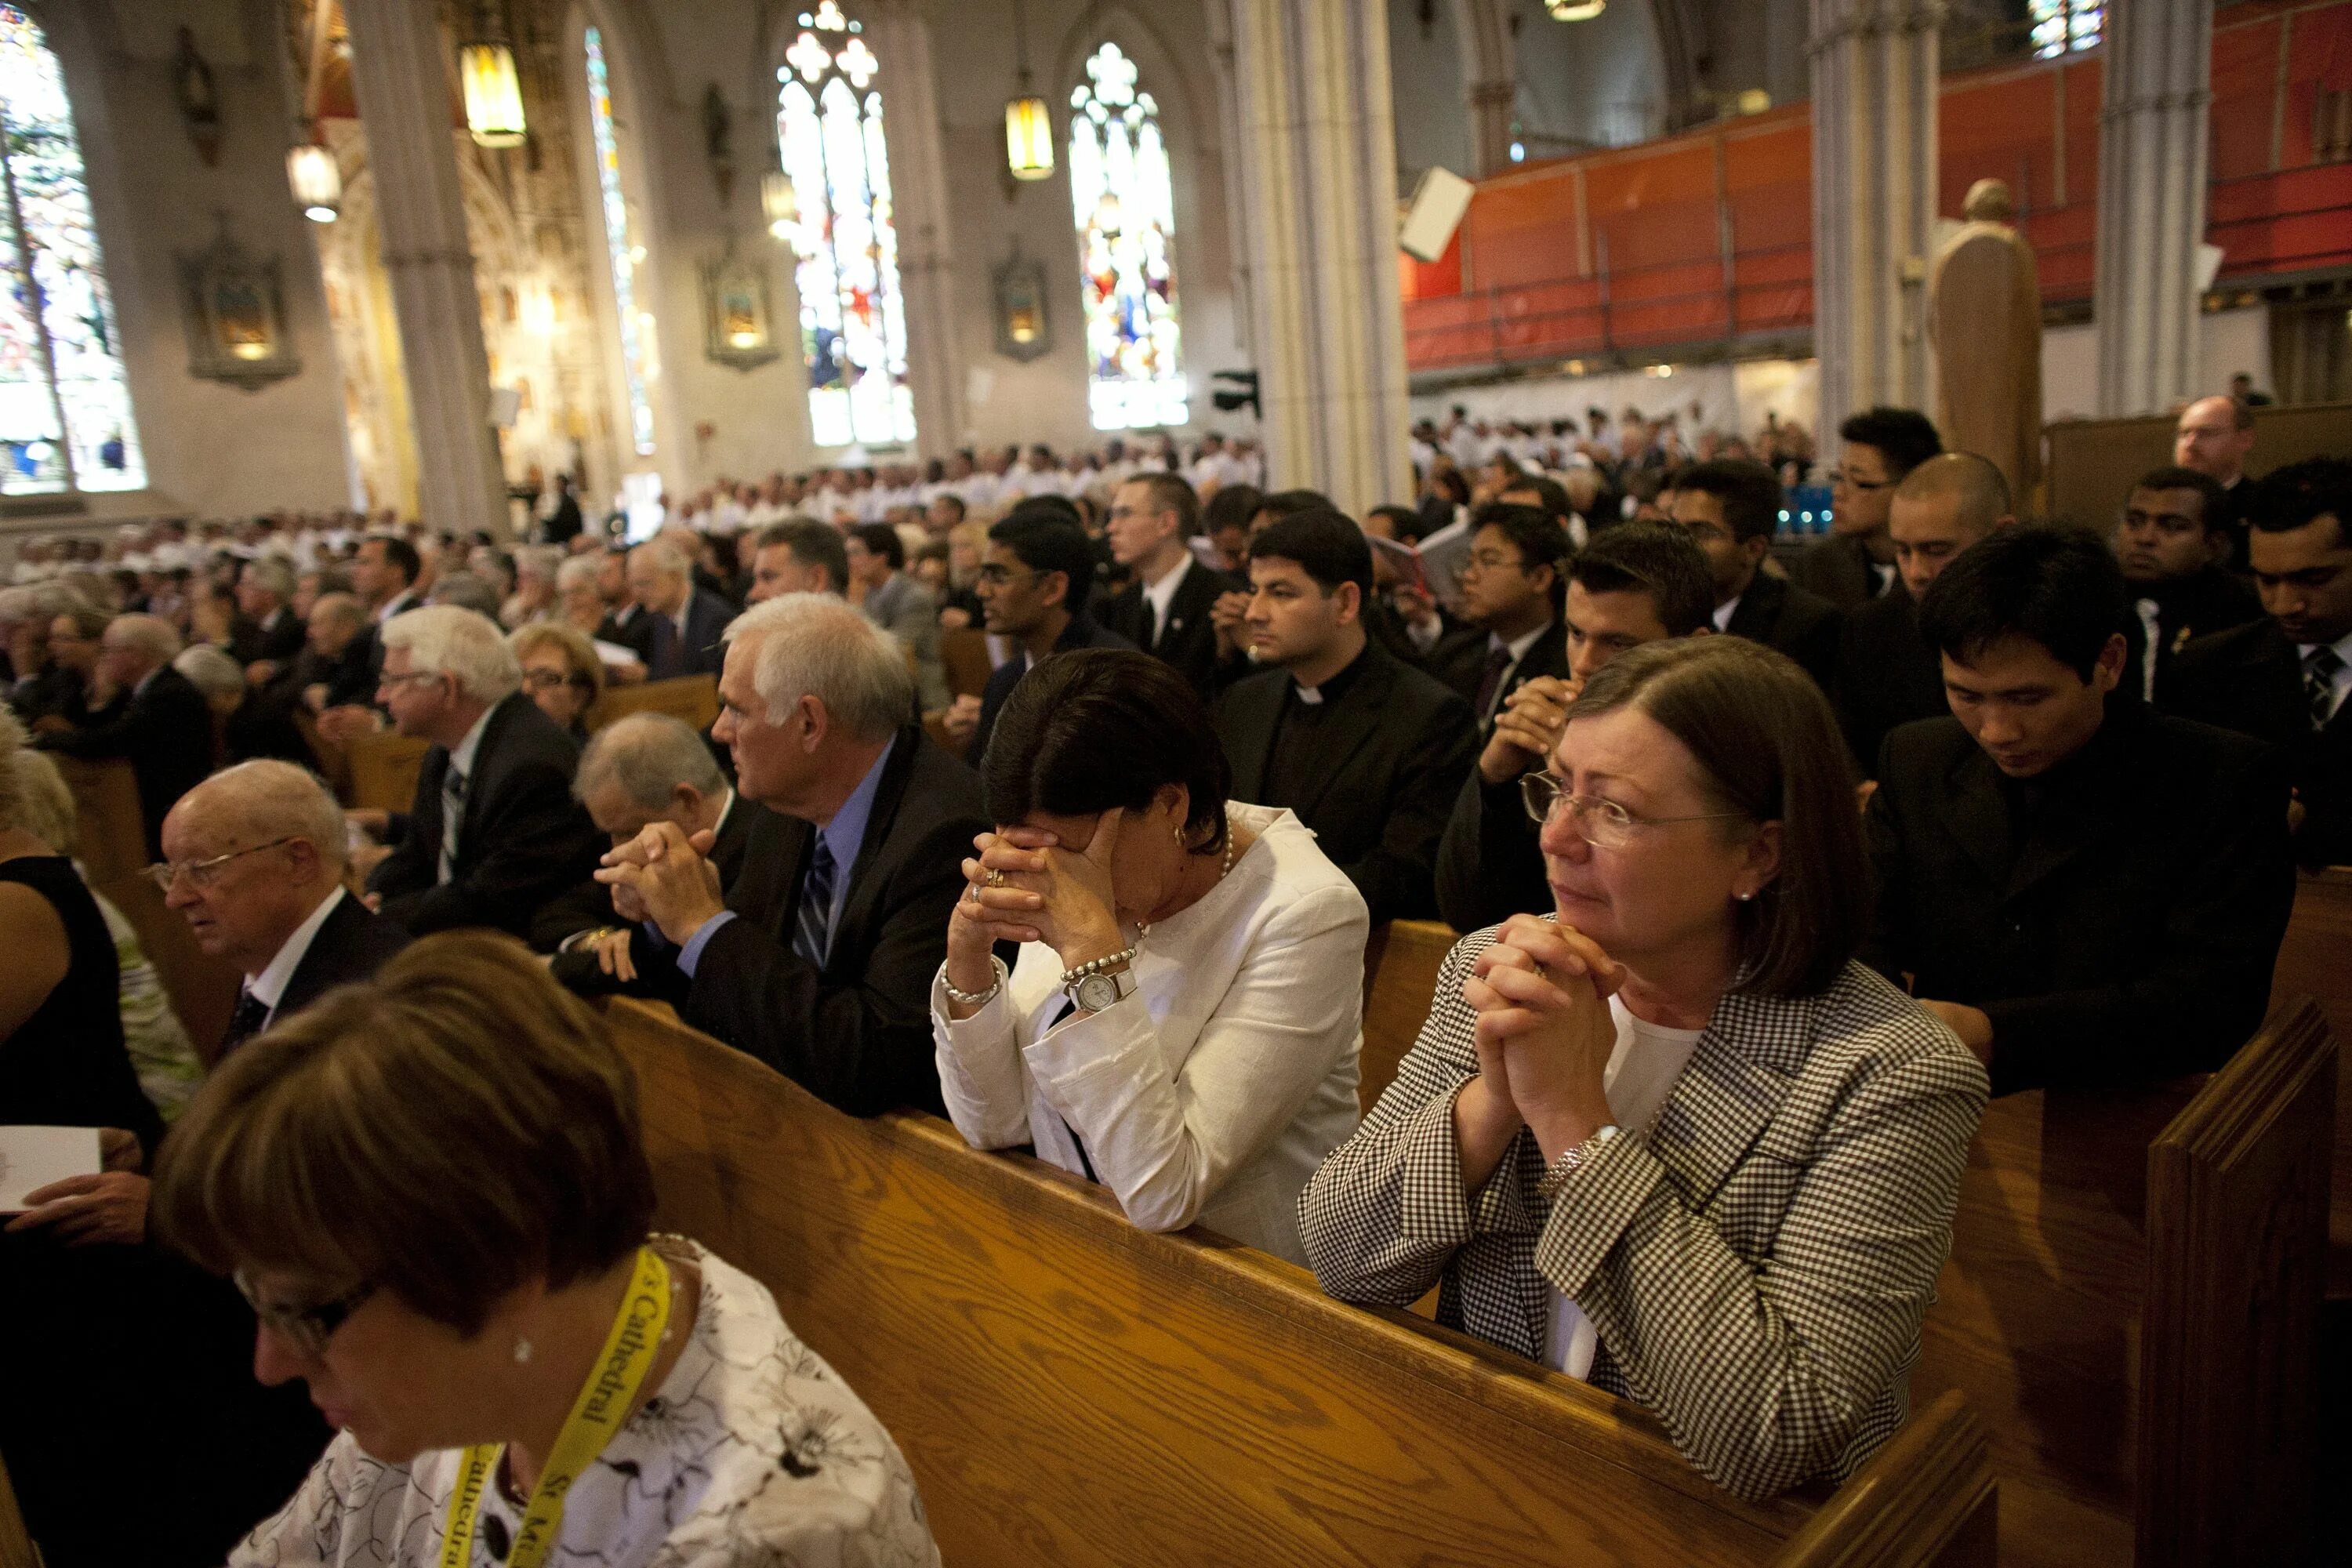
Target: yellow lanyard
{"x": 629, "y": 1352}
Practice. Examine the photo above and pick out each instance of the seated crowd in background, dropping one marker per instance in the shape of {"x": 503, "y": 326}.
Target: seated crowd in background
{"x": 1113, "y": 905}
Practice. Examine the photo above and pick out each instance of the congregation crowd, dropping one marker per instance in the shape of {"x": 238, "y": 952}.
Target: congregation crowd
{"x": 1774, "y": 858}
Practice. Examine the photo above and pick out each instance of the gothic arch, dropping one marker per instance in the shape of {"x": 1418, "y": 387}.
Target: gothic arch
{"x": 1195, "y": 120}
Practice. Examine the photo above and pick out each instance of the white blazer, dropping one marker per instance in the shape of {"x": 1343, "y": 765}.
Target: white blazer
{"x": 1214, "y": 1090}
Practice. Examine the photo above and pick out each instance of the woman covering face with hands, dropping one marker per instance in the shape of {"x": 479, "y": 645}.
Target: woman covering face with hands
{"x": 1672, "y": 1140}
{"x": 1182, "y": 1020}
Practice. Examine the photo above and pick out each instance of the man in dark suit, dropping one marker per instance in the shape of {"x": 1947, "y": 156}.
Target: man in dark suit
{"x": 1877, "y": 450}
{"x": 264, "y": 596}
{"x": 2214, "y": 436}
{"x": 1633, "y": 584}
{"x": 687, "y": 621}
{"x": 1731, "y": 508}
{"x": 2090, "y": 894}
{"x": 1165, "y": 611}
{"x": 562, "y": 523}
{"x": 819, "y": 958}
{"x": 1887, "y": 675}
{"x": 255, "y": 856}
{"x": 494, "y": 832}
{"x": 164, "y": 731}
{"x": 1367, "y": 750}
{"x": 2301, "y": 545}
{"x": 1512, "y": 587}
{"x": 2168, "y": 539}
{"x": 1034, "y": 581}
{"x": 625, "y": 624}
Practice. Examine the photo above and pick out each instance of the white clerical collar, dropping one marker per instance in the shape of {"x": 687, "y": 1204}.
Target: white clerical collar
{"x": 270, "y": 984}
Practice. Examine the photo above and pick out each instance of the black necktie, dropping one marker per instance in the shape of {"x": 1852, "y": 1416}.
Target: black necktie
{"x": 453, "y": 812}
{"x": 246, "y": 1021}
{"x": 2319, "y": 667}
{"x": 1490, "y": 686}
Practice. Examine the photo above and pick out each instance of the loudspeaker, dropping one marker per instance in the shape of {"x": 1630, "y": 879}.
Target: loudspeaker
{"x": 1439, "y": 200}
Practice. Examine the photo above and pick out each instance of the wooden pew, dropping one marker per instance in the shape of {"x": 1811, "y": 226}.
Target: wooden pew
{"x": 963, "y": 658}
{"x": 693, "y": 698}
{"x": 1400, "y": 965}
{"x": 2132, "y": 1302}
{"x": 383, "y": 771}
{"x": 2315, "y": 961}
{"x": 109, "y": 833}
{"x": 15, "y": 1546}
{"x": 1070, "y": 1390}
{"x": 203, "y": 989}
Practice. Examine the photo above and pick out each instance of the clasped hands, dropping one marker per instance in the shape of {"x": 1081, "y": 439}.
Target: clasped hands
{"x": 667, "y": 877}
{"x": 1527, "y": 727}
{"x": 110, "y": 1208}
{"x": 1022, "y": 886}
{"x": 1544, "y": 1037}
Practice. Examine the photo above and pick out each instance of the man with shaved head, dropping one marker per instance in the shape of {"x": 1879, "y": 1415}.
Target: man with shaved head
{"x": 165, "y": 730}
{"x": 1887, "y": 675}
{"x": 2214, "y": 438}
{"x": 254, "y": 860}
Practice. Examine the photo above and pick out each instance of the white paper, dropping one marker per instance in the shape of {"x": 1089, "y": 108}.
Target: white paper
{"x": 612, "y": 652}
{"x": 1443, "y": 556}
{"x": 33, "y": 1157}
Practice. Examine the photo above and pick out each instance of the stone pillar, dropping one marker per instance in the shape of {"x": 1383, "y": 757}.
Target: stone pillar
{"x": 2152, "y": 163}
{"x": 1874, "y": 66}
{"x": 935, "y": 371}
{"x": 1317, "y": 159}
{"x": 398, "y": 70}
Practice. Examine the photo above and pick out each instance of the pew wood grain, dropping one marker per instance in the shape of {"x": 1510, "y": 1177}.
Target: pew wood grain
{"x": 2315, "y": 961}
{"x": 692, "y": 697}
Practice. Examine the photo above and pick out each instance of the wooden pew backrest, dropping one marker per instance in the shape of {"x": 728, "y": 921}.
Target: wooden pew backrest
{"x": 2315, "y": 961}
{"x": 109, "y": 833}
{"x": 383, "y": 771}
{"x": 203, "y": 989}
{"x": 693, "y": 698}
{"x": 2237, "y": 1244}
{"x": 1401, "y": 969}
{"x": 963, "y": 659}
{"x": 1072, "y": 1391}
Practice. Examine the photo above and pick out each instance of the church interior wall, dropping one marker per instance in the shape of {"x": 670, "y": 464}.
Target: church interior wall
{"x": 1600, "y": 83}
{"x": 1425, "y": 74}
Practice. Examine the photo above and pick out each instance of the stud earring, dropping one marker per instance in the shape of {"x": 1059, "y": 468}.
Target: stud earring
{"x": 1745, "y": 897}
{"x": 522, "y": 1351}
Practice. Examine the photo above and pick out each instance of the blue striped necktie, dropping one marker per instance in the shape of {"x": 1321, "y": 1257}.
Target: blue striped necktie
{"x": 813, "y": 930}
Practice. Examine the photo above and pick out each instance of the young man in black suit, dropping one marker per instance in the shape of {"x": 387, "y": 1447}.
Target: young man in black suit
{"x": 819, "y": 958}
{"x": 165, "y": 730}
{"x": 1731, "y": 508}
{"x": 2169, "y": 539}
{"x": 2089, "y": 893}
{"x": 255, "y": 859}
{"x": 1367, "y": 750}
{"x": 1878, "y": 447}
{"x": 1033, "y": 582}
{"x": 500, "y": 771}
{"x": 686, "y": 619}
{"x": 1165, "y": 611}
{"x": 1634, "y": 583}
{"x": 1512, "y": 587}
{"x": 2300, "y": 547}
{"x": 1887, "y": 675}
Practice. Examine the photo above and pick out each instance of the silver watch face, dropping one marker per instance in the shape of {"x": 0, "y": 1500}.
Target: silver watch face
{"x": 1098, "y": 992}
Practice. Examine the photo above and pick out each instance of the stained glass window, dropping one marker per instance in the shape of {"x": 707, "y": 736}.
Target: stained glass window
{"x": 2062, "y": 26}
{"x": 627, "y": 252}
{"x": 852, "y": 318}
{"x": 1126, "y": 212}
{"x": 65, "y": 407}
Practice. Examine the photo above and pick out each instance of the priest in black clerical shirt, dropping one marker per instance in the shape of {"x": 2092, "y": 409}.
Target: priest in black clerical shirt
{"x": 2090, "y": 894}
{"x": 1368, "y": 751}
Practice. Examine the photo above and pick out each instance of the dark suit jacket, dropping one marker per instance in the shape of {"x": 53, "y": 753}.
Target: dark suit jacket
{"x": 699, "y": 652}
{"x": 1398, "y": 743}
{"x": 280, "y": 638}
{"x": 1189, "y": 641}
{"x": 1084, "y": 631}
{"x": 1887, "y": 675}
{"x": 164, "y": 731}
{"x": 1797, "y": 621}
{"x": 634, "y": 632}
{"x": 350, "y": 945}
{"x": 564, "y": 523}
{"x": 524, "y": 839}
{"x": 655, "y": 959}
{"x": 1489, "y": 867}
{"x": 2250, "y": 679}
{"x": 1838, "y": 569}
{"x": 857, "y": 1034}
{"x": 2122, "y": 930}
{"x": 2203, "y": 603}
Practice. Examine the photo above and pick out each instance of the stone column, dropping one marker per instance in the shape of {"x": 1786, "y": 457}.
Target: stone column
{"x": 405, "y": 109}
{"x": 1317, "y": 159}
{"x": 2152, "y": 161}
{"x": 935, "y": 371}
{"x": 1874, "y": 66}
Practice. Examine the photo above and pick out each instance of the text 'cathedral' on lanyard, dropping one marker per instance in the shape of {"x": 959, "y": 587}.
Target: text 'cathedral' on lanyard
{"x": 607, "y": 1396}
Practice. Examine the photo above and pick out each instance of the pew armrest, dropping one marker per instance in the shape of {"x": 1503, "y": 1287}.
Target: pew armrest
{"x": 1925, "y": 1501}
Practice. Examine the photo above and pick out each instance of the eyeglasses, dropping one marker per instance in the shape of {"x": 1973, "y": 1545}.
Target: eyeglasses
{"x": 548, "y": 679}
{"x": 998, "y": 576}
{"x": 411, "y": 678}
{"x": 1853, "y": 482}
{"x": 205, "y": 873}
{"x": 308, "y": 1329}
{"x": 1603, "y": 824}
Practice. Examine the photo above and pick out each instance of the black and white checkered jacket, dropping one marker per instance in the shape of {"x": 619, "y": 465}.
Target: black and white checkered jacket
{"x": 1757, "y": 1267}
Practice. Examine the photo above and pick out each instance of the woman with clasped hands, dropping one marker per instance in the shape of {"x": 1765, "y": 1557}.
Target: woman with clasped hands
{"x": 1183, "y": 1019}
{"x": 1676, "y": 1141}
{"x": 432, "y": 1190}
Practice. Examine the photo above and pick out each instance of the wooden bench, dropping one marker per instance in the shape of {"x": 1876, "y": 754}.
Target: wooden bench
{"x": 692, "y": 697}
{"x": 383, "y": 770}
{"x": 1070, "y": 1390}
{"x": 963, "y": 659}
{"x": 2131, "y": 1303}
{"x": 2315, "y": 961}
{"x": 1400, "y": 965}
{"x": 203, "y": 989}
{"x": 109, "y": 833}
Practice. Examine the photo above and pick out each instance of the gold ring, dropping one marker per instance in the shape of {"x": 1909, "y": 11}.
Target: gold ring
{"x": 996, "y": 877}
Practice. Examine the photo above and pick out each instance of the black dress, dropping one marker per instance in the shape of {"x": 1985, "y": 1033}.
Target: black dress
{"x": 110, "y": 1336}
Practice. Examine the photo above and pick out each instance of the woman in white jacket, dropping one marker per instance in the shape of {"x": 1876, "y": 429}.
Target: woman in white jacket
{"x": 1183, "y": 1018}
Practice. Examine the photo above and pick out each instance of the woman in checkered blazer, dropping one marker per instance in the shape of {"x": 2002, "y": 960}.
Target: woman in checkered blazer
{"x": 1676, "y": 1142}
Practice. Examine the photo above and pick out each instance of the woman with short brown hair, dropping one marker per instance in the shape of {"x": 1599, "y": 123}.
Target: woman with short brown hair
{"x": 561, "y": 671}
{"x": 432, "y": 1190}
{"x": 1674, "y": 1139}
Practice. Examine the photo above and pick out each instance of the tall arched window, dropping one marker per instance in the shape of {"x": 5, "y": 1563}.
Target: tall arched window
{"x": 1126, "y": 211}
{"x": 626, "y": 249}
{"x": 65, "y": 407}
{"x": 852, "y": 318}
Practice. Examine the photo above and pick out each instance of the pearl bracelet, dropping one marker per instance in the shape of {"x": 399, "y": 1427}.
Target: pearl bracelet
{"x": 1097, "y": 965}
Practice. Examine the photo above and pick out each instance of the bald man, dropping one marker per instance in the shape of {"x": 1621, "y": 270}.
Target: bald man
{"x": 2214, "y": 438}
{"x": 255, "y": 859}
{"x": 1887, "y": 675}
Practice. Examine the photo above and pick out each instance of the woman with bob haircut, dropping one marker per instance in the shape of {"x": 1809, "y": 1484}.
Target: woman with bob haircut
{"x": 1184, "y": 1021}
{"x": 1675, "y": 1140}
{"x": 432, "y": 1191}
{"x": 561, "y": 673}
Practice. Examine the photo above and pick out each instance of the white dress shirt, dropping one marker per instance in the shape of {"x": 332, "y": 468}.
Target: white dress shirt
{"x": 270, "y": 984}
{"x": 1213, "y": 1091}
{"x": 1161, "y": 594}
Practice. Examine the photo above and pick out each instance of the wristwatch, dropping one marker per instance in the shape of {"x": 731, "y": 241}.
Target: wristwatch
{"x": 1092, "y": 989}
